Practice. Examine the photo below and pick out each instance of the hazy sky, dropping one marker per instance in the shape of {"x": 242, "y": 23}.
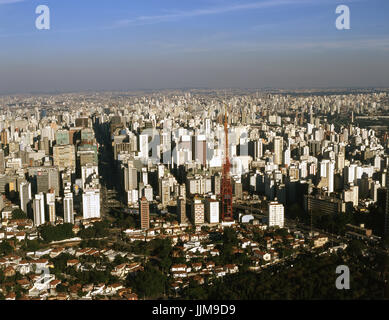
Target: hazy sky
{"x": 151, "y": 44}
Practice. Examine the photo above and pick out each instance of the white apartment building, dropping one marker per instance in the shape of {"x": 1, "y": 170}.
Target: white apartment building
{"x": 276, "y": 214}
{"x": 91, "y": 203}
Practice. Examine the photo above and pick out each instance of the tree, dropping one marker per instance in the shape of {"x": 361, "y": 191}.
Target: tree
{"x": 355, "y": 248}
{"x": 56, "y": 233}
{"x": 31, "y": 245}
{"x": 150, "y": 284}
{"x": 5, "y": 248}
{"x": 18, "y": 214}
{"x": 229, "y": 236}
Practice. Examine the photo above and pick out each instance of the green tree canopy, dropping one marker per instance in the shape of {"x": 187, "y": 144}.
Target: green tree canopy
{"x": 19, "y": 214}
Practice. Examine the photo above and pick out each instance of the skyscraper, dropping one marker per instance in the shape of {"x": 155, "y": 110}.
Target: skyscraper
{"x": 144, "y": 145}
{"x": 276, "y": 214}
{"x": 383, "y": 204}
{"x": 181, "y": 210}
{"x": 50, "y": 199}
{"x": 25, "y": 195}
{"x": 164, "y": 191}
{"x": 197, "y": 211}
{"x": 91, "y": 203}
{"x": 65, "y": 157}
{"x": 39, "y": 209}
{"x": 212, "y": 210}
{"x": 278, "y": 147}
{"x": 68, "y": 208}
{"x": 144, "y": 213}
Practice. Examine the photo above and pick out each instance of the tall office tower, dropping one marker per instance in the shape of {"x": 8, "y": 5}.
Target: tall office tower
{"x": 2, "y": 161}
{"x": 37, "y": 114}
{"x": 144, "y": 145}
{"x": 216, "y": 184}
{"x": 88, "y": 172}
{"x": 46, "y": 178}
{"x": 197, "y": 211}
{"x": 25, "y": 195}
{"x": 182, "y": 190}
{"x": 62, "y": 137}
{"x": 1, "y": 202}
{"x": 278, "y": 147}
{"x": 386, "y": 180}
{"x": 39, "y": 209}
{"x": 181, "y": 210}
{"x": 327, "y": 174}
{"x": 144, "y": 213}
{"x": 91, "y": 203}
{"x": 4, "y": 137}
{"x": 65, "y": 157}
{"x": 87, "y": 136}
{"x": 200, "y": 152}
{"x": 68, "y": 208}
{"x": 164, "y": 191}
{"x": 340, "y": 159}
{"x": 383, "y": 204}
{"x": 131, "y": 178}
{"x": 44, "y": 144}
{"x": 237, "y": 189}
{"x": 350, "y": 173}
{"x": 212, "y": 210}
{"x": 259, "y": 147}
{"x": 374, "y": 190}
{"x": 148, "y": 192}
{"x": 166, "y": 147}
{"x": 144, "y": 176}
{"x": 276, "y": 214}
{"x": 42, "y": 181}
{"x": 287, "y": 157}
{"x": 50, "y": 200}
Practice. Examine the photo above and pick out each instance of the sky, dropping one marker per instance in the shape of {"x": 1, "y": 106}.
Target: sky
{"x": 163, "y": 44}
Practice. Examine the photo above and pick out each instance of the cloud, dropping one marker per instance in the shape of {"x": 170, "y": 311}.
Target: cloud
{"x": 141, "y": 20}
{"x": 9, "y": 1}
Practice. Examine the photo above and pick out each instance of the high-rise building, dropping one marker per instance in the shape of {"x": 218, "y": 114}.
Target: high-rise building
{"x": 50, "y": 200}
{"x": 148, "y": 192}
{"x": 25, "y": 195}
{"x": 383, "y": 204}
{"x": 91, "y": 203}
{"x": 88, "y": 173}
{"x": 39, "y": 209}
{"x": 327, "y": 174}
{"x": 144, "y": 145}
{"x": 276, "y": 214}
{"x": 62, "y": 137}
{"x": 212, "y": 210}
{"x": 2, "y": 161}
{"x": 181, "y": 210}
{"x": 65, "y": 157}
{"x": 144, "y": 214}
{"x": 46, "y": 178}
{"x": 278, "y": 148}
{"x": 130, "y": 178}
{"x": 197, "y": 211}
{"x": 68, "y": 208}
{"x": 164, "y": 191}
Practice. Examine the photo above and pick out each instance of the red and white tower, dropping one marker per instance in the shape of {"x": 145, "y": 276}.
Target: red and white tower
{"x": 226, "y": 188}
